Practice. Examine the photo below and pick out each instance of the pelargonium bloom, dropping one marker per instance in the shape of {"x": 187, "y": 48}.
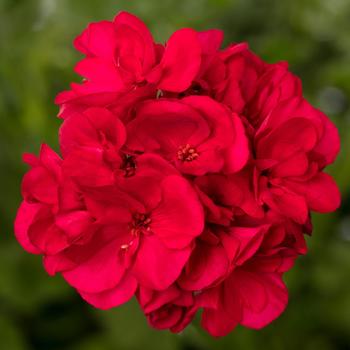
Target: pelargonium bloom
{"x": 292, "y": 147}
{"x": 137, "y": 236}
{"x": 187, "y": 178}
{"x": 121, "y": 55}
{"x": 196, "y": 134}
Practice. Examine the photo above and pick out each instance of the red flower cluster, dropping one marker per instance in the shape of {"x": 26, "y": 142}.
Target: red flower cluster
{"x": 187, "y": 178}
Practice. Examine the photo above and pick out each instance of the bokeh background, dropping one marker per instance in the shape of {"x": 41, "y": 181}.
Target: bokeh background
{"x": 36, "y": 61}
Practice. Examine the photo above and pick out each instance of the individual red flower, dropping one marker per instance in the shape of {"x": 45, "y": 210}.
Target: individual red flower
{"x": 292, "y": 147}
{"x": 187, "y": 178}
{"x": 91, "y": 142}
{"x": 252, "y": 293}
{"x": 121, "y": 56}
{"x": 141, "y": 233}
{"x": 230, "y": 76}
{"x": 196, "y": 134}
{"x": 40, "y": 227}
{"x": 251, "y": 296}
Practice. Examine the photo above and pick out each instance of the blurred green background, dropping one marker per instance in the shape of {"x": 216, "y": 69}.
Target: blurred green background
{"x": 36, "y": 62}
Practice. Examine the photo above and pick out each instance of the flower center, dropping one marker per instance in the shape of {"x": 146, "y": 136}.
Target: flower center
{"x": 140, "y": 224}
{"x": 129, "y": 165}
{"x": 187, "y": 153}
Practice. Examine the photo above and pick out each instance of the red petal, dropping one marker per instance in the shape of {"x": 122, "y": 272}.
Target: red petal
{"x": 179, "y": 218}
{"x": 221, "y": 321}
{"x": 88, "y": 128}
{"x": 321, "y": 192}
{"x": 25, "y": 216}
{"x": 289, "y": 204}
{"x": 249, "y": 240}
{"x": 238, "y": 154}
{"x": 157, "y": 266}
{"x": 255, "y": 316}
{"x": 210, "y": 40}
{"x": 98, "y": 39}
{"x": 295, "y": 135}
{"x": 102, "y": 76}
{"x": 100, "y": 272}
{"x": 206, "y": 266}
{"x": 142, "y": 32}
{"x": 181, "y": 61}
{"x": 87, "y": 167}
{"x": 74, "y": 223}
{"x": 116, "y": 296}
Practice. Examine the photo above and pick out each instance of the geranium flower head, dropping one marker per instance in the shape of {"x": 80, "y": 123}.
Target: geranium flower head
{"x": 187, "y": 177}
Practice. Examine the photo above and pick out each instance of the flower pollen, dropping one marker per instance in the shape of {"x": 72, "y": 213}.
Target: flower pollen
{"x": 187, "y": 153}
{"x": 140, "y": 224}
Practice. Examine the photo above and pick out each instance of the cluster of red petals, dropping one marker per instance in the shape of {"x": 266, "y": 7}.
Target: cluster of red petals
{"x": 187, "y": 177}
